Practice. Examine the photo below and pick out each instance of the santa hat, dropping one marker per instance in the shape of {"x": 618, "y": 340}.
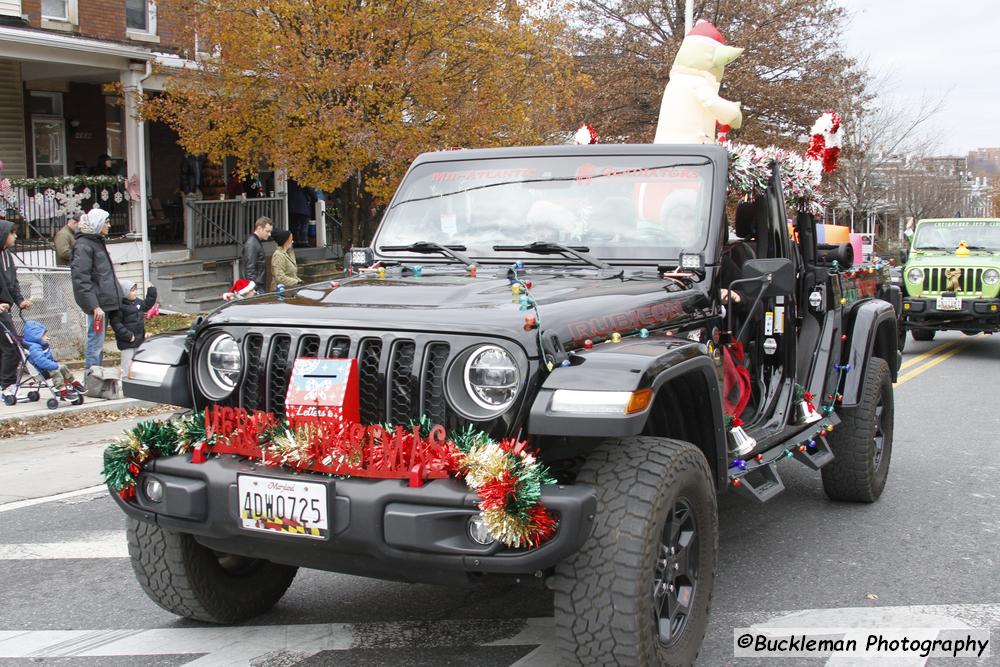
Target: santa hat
{"x": 585, "y": 135}
{"x": 703, "y": 28}
{"x": 242, "y": 287}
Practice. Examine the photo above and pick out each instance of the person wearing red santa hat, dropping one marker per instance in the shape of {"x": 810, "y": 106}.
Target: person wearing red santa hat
{"x": 241, "y": 289}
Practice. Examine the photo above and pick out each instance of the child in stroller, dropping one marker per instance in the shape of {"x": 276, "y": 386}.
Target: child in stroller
{"x": 39, "y": 368}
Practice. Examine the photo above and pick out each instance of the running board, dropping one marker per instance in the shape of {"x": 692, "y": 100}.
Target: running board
{"x": 759, "y": 478}
{"x": 762, "y": 483}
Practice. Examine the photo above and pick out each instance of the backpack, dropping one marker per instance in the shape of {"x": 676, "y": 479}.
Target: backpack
{"x": 102, "y": 382}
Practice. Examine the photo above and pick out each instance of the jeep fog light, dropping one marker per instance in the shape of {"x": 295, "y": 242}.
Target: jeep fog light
{"x": 915, "y": 275}
{"x": 991, "y": 276}
{"x": 601, "y": 402}
{"x": 153, "y": 489}
{"x": 478, "y": 532}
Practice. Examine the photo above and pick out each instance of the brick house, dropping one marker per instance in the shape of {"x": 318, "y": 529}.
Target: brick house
{"x": 62, "y": 65}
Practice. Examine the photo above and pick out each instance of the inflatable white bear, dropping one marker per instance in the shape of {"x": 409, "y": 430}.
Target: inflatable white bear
{"x": 691, "y": 105}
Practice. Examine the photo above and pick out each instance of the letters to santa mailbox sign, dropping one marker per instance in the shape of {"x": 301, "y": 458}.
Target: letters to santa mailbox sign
{"x": 323, "y": 389}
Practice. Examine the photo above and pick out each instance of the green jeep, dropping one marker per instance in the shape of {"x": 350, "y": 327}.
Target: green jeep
{"x": 952, "y": 277}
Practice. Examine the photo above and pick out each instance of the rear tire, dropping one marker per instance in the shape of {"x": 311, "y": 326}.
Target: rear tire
{"x": 52, "y": 403}
{"x": 862, "y": 443}
{"x": 193, "y": 581}
{"x": 639, "y": 590}
{"x": 33, "y": 396}
{"x": 923, "y": 334}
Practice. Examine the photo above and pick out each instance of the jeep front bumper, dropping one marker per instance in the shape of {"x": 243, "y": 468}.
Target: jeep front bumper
{"x": 976, "y": 314}
{"x": 378, "y": 528}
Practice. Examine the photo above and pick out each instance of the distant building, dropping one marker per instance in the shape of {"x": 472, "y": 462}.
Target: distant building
{"x": 985, "y": 162}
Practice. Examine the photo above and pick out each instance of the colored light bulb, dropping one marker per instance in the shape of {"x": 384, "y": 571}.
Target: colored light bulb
{"x": 565, "y": 363}
{"x": 527, "y": 284}
{"x": 643, "y": 333}
{"x": 515, "y": 289}
{"x": 588, "y": 344}
{"x": 418, "y": 271}
{"x": 616, "y": 337}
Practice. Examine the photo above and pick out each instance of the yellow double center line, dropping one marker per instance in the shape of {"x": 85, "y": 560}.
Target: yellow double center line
{"x": 933, "y": 357}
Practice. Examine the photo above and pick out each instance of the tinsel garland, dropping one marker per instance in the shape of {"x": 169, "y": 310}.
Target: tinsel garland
{"x": 59, "y": 182}
{"x": 507, "y": 478}
{"x": 750, "y": 172}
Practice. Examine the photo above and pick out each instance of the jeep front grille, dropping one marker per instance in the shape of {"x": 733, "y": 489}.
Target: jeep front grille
{"x": 936, "y": 280}
{"x": 399, "y": 378}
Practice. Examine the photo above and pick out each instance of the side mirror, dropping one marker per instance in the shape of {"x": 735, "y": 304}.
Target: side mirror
{"x": 773, "y": 277}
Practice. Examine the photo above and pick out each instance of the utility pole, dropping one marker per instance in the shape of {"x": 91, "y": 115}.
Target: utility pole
{"x": 688, "y": 15}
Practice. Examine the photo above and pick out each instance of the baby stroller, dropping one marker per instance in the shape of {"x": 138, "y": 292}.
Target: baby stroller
{"x": 33, "y": 379}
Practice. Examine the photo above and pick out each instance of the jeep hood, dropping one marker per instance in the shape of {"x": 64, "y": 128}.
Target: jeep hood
{"x": 572, "y": 306}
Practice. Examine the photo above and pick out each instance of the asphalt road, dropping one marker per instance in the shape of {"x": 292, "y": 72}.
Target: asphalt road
{"x": 926, "y": 555}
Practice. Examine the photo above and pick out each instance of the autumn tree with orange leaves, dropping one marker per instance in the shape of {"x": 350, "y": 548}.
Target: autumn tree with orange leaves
{"x": 345, "y": 93}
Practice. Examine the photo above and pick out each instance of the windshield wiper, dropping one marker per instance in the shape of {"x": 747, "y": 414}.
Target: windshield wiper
{"x": 977, "y": 247}
{"x": 930, "y": 247}
{"x": 430, "y": 248}
{"x": 550, "y": 248}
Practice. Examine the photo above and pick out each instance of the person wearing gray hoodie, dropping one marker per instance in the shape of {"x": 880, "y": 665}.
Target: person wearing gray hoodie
{"x": 10, "y": 297}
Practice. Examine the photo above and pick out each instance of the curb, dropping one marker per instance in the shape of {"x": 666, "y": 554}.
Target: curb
{"x": 115, "y": 405}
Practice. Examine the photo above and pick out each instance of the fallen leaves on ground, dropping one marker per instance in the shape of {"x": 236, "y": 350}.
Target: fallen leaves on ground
{"x": 56, "y": 422}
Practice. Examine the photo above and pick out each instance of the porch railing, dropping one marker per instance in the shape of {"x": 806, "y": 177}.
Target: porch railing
{"x": 39, "y": 211}
{"x": 221, "y": 222}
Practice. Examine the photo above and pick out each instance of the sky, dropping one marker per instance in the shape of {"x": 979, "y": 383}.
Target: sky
{"x": 930, "y": 48}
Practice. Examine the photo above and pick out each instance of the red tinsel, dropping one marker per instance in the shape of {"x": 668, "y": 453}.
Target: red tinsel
{"x": 496, "y": 493}
{"x": 544, "y": 524}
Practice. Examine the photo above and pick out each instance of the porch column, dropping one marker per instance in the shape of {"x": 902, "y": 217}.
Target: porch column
{"x": 135, "y": 157}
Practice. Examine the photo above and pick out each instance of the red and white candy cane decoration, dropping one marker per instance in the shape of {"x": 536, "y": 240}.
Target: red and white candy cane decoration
{"x": 824, "y": 141}
{"x": 585, "y": 135}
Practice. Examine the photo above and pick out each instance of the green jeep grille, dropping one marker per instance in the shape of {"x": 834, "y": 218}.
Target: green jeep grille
{"x": 936, "y": 279}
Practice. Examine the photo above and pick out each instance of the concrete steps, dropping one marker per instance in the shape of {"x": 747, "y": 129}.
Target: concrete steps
{"x": 320, "y": 270}
{"x": 192, "y": 285}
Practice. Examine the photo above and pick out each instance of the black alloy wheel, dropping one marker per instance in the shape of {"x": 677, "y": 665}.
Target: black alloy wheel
{"x": 676, "y": 578}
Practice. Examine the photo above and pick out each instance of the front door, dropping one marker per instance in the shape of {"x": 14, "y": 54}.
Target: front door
{"x": 49, "y": 139}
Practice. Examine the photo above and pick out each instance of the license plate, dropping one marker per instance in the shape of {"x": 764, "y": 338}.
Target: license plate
{"x": 949, "y": 303}
{"x": 286, "y": 506}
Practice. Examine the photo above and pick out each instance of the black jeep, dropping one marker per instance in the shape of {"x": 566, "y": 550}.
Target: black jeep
{"x": 617, "y": 371}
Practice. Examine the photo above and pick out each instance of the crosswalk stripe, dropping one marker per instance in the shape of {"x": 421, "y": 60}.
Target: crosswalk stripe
{"x": 30, "y": 502}
{"x": 103, "y": 544}
{"x": 241, "y": 645}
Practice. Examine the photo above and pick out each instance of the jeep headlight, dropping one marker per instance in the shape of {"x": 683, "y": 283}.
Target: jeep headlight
{"x": 915, "y": 275}
{"x": 219, "y": 366}
{"x": 492, "y": 378}
{"x": 991, "y": 277}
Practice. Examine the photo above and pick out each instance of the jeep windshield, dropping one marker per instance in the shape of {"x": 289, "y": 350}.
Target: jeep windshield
{"x": 947, "y": 234}
{"x": 624, "y": 207}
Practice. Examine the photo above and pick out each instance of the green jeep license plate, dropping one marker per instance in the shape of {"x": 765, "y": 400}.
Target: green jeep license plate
{"x": 949, "y": 303}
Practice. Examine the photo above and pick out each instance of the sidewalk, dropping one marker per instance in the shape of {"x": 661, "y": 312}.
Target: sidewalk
{"x": 38, "y": 409}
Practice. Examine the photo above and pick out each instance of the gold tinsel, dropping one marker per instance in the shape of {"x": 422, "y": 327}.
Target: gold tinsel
{"x": 484, "y": 463}
{"x": 507, "y": 528}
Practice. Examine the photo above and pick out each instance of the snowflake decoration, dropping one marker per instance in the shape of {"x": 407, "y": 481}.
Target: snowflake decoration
{"x": 104, "y": 195}
{"x": 118, "y": 197}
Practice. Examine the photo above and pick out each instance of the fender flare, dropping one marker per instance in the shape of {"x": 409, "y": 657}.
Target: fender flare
{"x": 647, "y": 365}
{"x": 160, "y": 371}
{"x": 872, "y": 329}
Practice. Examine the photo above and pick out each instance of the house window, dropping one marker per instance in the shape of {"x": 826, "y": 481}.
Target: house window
{"x": 113, "y": 121}
{"x": 55, "y": 10}
{"x": 140, "y": 16}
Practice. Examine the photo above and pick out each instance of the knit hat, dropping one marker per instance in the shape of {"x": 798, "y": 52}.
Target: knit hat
{"x": 126, "y": 286}
{"x": 279, "y": 236}
{"x": 93, "y": 221}
{"x": 240, "y": 289}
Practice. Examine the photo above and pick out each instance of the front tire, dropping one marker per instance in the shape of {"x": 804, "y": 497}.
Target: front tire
{"x": 923, "y": 334}
{"x": 862, "y": 443}
{"x": 639, "y": 590}
{"x": 193, "y": 581}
